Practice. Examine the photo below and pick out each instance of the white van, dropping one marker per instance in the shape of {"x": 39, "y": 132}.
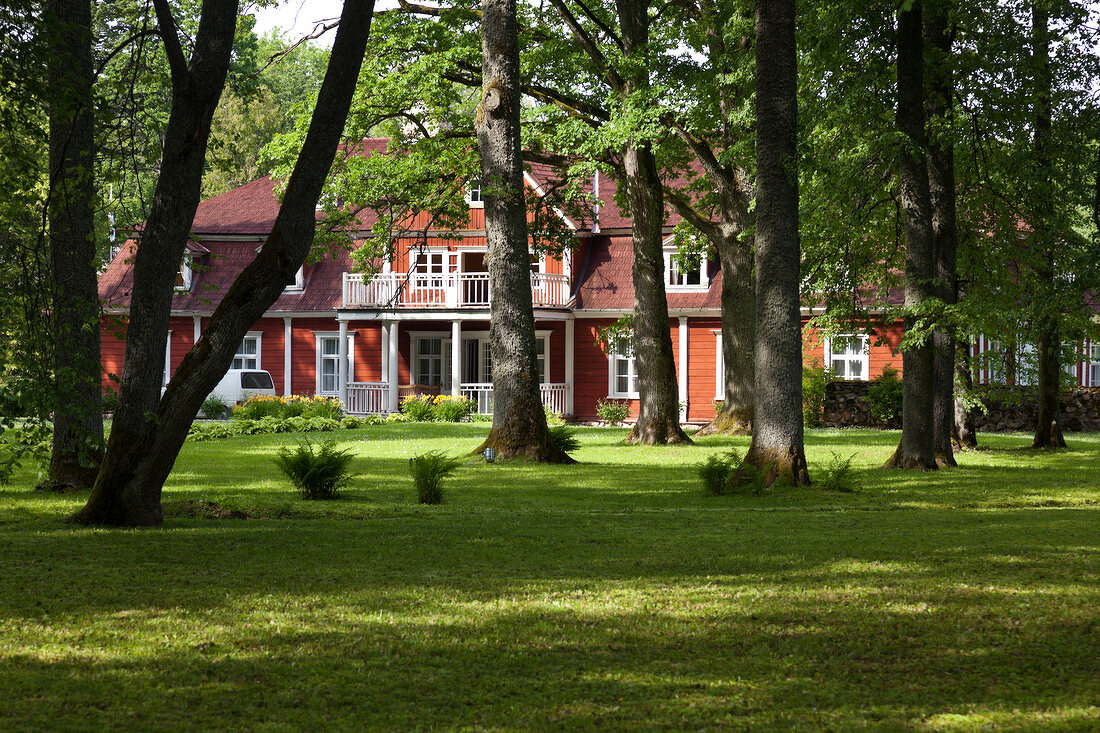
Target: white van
{"x": 239, "y": 384}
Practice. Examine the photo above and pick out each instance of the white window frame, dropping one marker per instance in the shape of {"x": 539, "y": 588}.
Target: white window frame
{"x": 485, "y": 351}
{"x": 321, "y": 357}
{"x": 417, "y": 337}
{"x": 680, "y": 287}
{"x": 613, "y": 360}
{"x": 258, "y": 335}
{"x": 719, "y": 368}
{"x": 1092, "y": 367}
{"x": 186, "y": 273}
{"x": 299, "y": 284}
{"x": 429, "y": 280}
{"x": 167, "y": 361}
{"x": 864, "y": 359}
{"x": 473, "y": 194}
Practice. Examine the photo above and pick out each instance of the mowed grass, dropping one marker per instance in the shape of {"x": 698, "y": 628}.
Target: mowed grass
{"x": 613, "y": 594}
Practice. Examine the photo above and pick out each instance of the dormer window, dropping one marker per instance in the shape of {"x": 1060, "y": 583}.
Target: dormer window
{"x": 685, "y": 273}
{"x": 299, "y": 283}
{"x": 184, "y": 275}
{"x": 473, "y": 194}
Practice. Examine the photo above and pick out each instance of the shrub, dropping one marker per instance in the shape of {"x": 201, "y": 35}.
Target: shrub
{"x": 552, "y": 418}
{"x": 293, "y": 408}
{"x": 351, "y": 422}
{"x": 814, "y": 378}
{"x": 397, "y": 417}
{"x": 428, "y": 471}
{"x": 257, "y": 407}
{"x": 317, "y": 474}
{"x": 884, "y": 396}
{"x": 214, "y": 407}
{"x": 110, "y": 400}
{"x": 201, "y": 432}
{"x": 565, "y": 438}
{"x": 418, "y": 407}
{"x": 452, "y": 408}
{"x": 324, "y": 407}
{"x": 837, "y": 475}
{"x": 612, "y": 411}
{"x": 716, "y": 471}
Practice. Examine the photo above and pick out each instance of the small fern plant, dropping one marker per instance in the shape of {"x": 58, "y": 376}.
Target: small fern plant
{"x": 428, "y": 471}
{"x": 716, "y": 471}
{"x": 564, "y": 437}
{"x": 317, "y": 471}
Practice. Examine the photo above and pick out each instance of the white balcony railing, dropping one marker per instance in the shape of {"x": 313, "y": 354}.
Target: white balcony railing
{"x": 366, "y": 398}
{"x": 452, "y": 290}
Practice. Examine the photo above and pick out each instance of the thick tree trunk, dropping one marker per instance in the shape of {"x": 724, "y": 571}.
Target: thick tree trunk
{"x": 738, "y": 339}
{"x": 965, "y": 434}
{"x": 941, "y": 185}
{"x": 519, "y": 422}
{"x": 1048, "y": 433}
{"x": 658, "y": 398}
{"x": 916, "y": 449}
{"x": 141, "y": 454}
{"x": 78, "y": 405}
{"x": 777, "y": 452}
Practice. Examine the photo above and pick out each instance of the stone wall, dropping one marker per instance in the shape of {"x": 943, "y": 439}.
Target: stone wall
{"x": 1007, "y": 408}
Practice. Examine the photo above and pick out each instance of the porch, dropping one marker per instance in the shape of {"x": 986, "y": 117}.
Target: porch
{"x": 372, "y": 398}
{"x": 442, "y": 290}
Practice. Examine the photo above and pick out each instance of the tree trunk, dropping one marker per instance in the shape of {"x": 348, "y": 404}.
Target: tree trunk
{"x": 1048, "y": 433}
{"x": 738, "y": 339}
{"x": 141, "y": 452}
{"x": 916, "y": 449}
{"x": 965, "y": 435}
{"x": 519, "y": 422}
{"x": 78, "y": 404}
{"x": 658, "y": 398}
{"x": 777, "y": 452}
{"x": 941, "y": 186}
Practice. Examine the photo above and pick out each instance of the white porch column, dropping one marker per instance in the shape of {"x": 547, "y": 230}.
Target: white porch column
{"x": 683, "y": 375}
{"x": 570, "y": 328}
{"x": 288, "y": 345}
{"x": 342, "y": 369}
{"x": 198, "y": 327}
{"x": 385, "y": 353}
{"x": 392, "y": 376}
{"x": 456, "y": 357}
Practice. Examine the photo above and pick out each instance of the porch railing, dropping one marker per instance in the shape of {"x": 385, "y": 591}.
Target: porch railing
{"x": 366, "y": 398}
{"x": 451, "y": 290}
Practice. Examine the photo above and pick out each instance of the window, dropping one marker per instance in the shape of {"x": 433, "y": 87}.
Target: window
{"x": 689, "y": 275}
{"x": 623, "y": 374}
{"x": 299, "y": 283}
{"x": 540, "y": 358}
{"x": 248, "y": 353}
{"x": 256, "y": 380}
{"x": 328, "y": 362}
{"x": 719, "y": 368}
{"x": 184, "y": 275}
{"x": 848, "y": 356}
{"x": 1094, "y": 366}
{"x": 429, "y": 269}
{"x": 432, "y": 366}
{"x": 473, "y": 194}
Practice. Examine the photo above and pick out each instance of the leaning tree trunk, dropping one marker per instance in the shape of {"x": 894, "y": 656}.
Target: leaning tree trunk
{"x": 519, "y": 422}
{"x": 128, "y": 489}
{"x": 941, "y": 186}
{"x": 658, "y": 398}
{"x": 777, "y": 452}
{"x": 916, "y": 449}
{"x": 738, "y": 340}
{"x": 1048, "y": 433}
{"x": 964, "y": 434}
{"x": 78, "y": 405}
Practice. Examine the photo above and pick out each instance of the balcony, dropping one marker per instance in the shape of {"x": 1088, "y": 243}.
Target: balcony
{"x": 453, "y": 290}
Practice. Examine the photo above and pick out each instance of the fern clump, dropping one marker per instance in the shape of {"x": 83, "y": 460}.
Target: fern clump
{"x": 564, "y": 437}
{"x": 716, "y": 471}
{"x": 838, "y": 475}
{"x": 318, "y": 472}
{"x": 428, "y": 471}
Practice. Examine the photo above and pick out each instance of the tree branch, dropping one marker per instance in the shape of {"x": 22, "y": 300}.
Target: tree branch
{"x": 589, "y": 45}
{"x": 170, "y": 37}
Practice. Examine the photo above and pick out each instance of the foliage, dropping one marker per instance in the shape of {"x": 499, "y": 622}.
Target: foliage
{"x": 451, "y": 408}
{"x": 202, "y": 431}
{"x": 352, "y": 422}
{"x": 317, "y": 474}
{"x": 214, "y": 407}
{"x": 884, "y": 395}
{"x": 837, "y": 474}
{"x": 612, "y": 412}
{"x": 30, "y": 442}
{"x": 418, "y": 408}
{"x": 305, "y": 406}
{"x": 564, "y": 437}
{"x": 617, "y": 337}
{"x": 552, "y": 418}
{"x": 716, "y": 471}
{"x": 110, "y": 400}
{"x": 428, "y": 471}
{"x": 814, "y": 378}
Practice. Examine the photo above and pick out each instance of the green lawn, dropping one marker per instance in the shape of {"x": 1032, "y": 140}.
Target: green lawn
{"x": 611, "y": 594}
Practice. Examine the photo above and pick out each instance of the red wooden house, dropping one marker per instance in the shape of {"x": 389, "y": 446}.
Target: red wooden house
{"x": 422, "y": 322}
